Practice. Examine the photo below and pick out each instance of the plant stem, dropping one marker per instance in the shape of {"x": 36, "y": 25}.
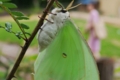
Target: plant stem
{"x": 27, "y": 43}
{"x": 9, "y": 12}
{"x": 13, "y": 33}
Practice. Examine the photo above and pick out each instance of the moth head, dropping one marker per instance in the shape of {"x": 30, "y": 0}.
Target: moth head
{"x": 62, "y": 13}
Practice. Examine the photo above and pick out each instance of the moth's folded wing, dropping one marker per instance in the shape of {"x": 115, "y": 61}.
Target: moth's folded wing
{"x": 63, "y": 59}
{"x": 91, "y": 71}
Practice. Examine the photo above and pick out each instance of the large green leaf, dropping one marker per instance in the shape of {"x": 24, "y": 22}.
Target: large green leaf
{"x": 28, "y": 33}
{"x": 9, "y": 5}
{"x": 68, "y": 57}
{"x": 17, "y": 13}
{"x": 24, "y": 26}
{"x": 5, "y": 0}
{"x": 22, "y": 18}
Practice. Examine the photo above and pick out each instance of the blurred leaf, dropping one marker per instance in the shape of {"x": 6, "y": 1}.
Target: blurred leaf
{"x": 18, "y": 34}
{"x": 24, "y": 26}
{"x": 17, "y": 13}
{"x": 5, "y": 0}
{"x": 22, "y": 18}
{"x": 117, "y": 70}
{"x": 1, "y": 2}
{"x": 9, "y": 5}
{"x": 58, "y": 4}
{"x": 8, "y": 26}
{"x": 2, "y": 74}
{"x": 54, "y": 4}
{"x": 28, "y": 33}
{"x": 8, "y": 30}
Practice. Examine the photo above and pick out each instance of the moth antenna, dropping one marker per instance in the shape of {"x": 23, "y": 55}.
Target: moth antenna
{"x": 46, "y": 20}
{"x": 70, "y": 5}
{"x": 58, "y": 4}
{"x": 75, "y": 6}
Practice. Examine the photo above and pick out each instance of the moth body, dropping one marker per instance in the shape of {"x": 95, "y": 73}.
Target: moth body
{"x": 49, "y": 29}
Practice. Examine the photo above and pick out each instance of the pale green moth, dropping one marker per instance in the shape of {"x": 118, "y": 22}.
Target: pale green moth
{"x": 64, "y": 54}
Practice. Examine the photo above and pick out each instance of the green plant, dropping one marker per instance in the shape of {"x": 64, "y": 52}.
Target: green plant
{"x": 22, "y": 34}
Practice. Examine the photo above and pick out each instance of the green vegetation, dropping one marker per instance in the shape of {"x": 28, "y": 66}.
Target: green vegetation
{"x": 6, "y": 37}
{"x": 110, "y": 45}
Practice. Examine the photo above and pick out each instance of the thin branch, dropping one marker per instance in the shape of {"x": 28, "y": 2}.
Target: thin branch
{"x": 2, "y": 27}
{"x": 9, "y": 12}
{"x": 13, "y": 32}
{"x": 25, "y": 47}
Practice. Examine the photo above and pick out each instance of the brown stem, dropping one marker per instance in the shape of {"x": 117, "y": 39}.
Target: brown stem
{"x": 25, "y": 47}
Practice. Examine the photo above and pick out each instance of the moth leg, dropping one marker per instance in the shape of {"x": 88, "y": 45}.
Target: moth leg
{"x": 46, "y": 20}
{"x": 49, "y": 12}
{"x": 52, "y": 13}
{"x": 41, "y": 28}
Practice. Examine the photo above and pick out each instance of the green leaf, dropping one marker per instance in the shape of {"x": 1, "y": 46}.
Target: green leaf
{"x": 18, "y": 34}
{"x": 58, "y": 4}
{"x": 24, "y": 26}
{"x": 9, "y": 5}
{"x": 28, "y": 33}
{"x": 8, "y": 26}
{"x": 5, "y": 0}
{"x": 22, "y": 18}
{"x": 17, "y": 13}
{"x": 1, "y": 2}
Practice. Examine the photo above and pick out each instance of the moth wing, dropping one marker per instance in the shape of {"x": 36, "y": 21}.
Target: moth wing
{"x": 91, "y": 70}
{"x": 66, "y": 58}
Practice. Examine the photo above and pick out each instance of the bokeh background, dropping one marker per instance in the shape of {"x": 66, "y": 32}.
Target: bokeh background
{"x": 9, "y": 44}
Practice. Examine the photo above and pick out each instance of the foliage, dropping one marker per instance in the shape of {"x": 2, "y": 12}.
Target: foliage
{"x": 21, "y": 34}
{"x": 22, "y": 3}
{"x": 16, "y": 15}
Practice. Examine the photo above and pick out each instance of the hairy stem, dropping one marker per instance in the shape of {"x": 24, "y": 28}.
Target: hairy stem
{"x": 25, "y": 47}
{"x": 9, "y": 12}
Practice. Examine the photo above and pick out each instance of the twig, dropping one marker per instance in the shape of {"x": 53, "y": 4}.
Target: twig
{"x": 25, "y": 47}
{"x": 13, "y": 33}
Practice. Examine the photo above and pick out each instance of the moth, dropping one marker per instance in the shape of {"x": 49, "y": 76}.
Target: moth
{"x": 64, "y": 54}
